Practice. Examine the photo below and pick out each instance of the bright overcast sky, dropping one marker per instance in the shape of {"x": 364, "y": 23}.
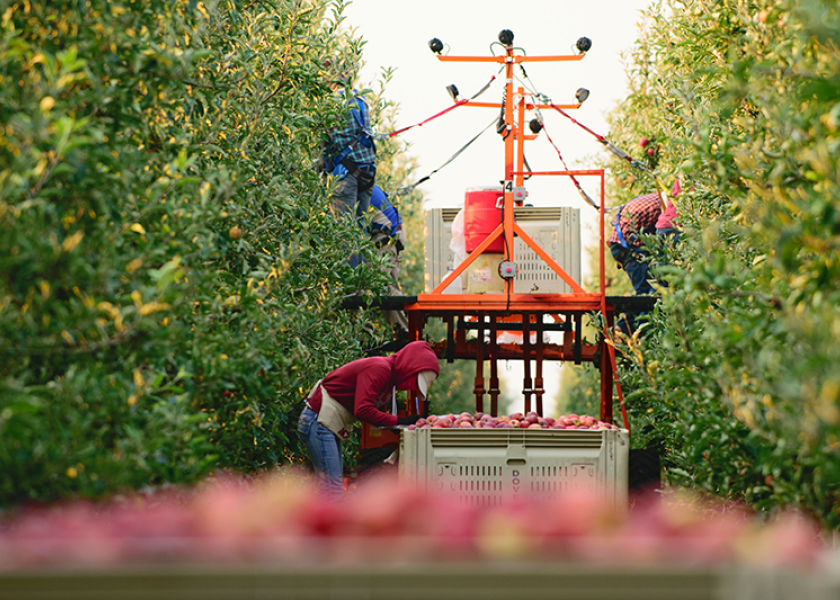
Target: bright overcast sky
{"x": 397, "y": 35}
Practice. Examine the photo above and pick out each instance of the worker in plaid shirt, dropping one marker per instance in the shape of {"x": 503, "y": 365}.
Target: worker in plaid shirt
{"x": 350, "y": 155}
{"x": 637, "y": 217}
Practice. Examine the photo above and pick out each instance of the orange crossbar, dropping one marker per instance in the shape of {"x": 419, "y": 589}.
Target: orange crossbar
{"x": 548, "y": 303}
{"x": 517, "y": 59}
{"x": 548, "y": 260}
{"x": 528, "y": 106}
{"x": 470, "y": 259}
{"x": 580, "y": 173}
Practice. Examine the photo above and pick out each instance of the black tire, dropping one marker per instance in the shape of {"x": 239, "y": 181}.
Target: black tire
{"x": 645, "y": 470}
{"x": 371, "y": 463}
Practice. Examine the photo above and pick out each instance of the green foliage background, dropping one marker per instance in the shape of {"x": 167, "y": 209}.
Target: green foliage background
{"x": 141, "y": 342}
{"x": 735, "y": 377}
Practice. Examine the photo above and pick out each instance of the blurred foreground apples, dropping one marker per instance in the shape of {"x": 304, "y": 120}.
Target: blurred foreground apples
{"x": 280, "y": 517}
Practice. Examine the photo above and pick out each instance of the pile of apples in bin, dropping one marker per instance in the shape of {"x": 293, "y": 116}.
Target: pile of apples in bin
{"x": 530, "y": 420}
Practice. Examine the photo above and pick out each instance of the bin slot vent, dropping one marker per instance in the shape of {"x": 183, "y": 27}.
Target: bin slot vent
{"x": 480, "y": 500}
{"x": 478, "y": 485}
{"x": 478, "y": 470}
{"x": 563, "y": 444}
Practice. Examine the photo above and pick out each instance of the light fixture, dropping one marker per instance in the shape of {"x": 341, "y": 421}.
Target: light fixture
{"x": 581, "y": 94}
{"x": 583, "y": 44}
{"x": 506, "y": 37}
{"x": 435, "y": 45}
{"x": 453, "y": 91}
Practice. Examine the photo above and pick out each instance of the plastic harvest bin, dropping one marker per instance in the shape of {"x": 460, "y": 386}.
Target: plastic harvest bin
{"x": 487, "y": 466}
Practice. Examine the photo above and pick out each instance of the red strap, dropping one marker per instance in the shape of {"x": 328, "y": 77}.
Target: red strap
{"x": 443, "y": 112}
{"x": 560, "y": 156}
{"x": 568, "y": 116}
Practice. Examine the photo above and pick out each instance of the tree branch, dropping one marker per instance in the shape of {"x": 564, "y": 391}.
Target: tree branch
{"x": 285, "y": 56}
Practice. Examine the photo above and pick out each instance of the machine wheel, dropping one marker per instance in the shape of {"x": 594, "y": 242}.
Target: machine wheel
{"x": 371, "y": 463}
{"x": 645, "y": 469}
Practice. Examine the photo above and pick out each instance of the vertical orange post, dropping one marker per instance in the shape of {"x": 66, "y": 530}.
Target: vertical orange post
{"x": 606, "y": 363}
{"x": 479, "y": 390}
{"x": 526, "y": 356}
{"x": 510, "y": 134}
{"x": 520, "y": 140}
{"x": 494, "y": 368}
{"x": 606, "y": 377}
{"x": 538, "y": 379}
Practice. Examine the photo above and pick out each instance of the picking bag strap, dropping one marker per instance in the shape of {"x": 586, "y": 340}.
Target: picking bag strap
{"x": 617, "y": 224}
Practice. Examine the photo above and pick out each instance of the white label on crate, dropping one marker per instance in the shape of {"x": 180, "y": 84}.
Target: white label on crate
{"x": 481, "y": 275}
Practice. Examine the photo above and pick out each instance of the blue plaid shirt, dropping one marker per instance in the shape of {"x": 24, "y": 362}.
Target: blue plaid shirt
{"x": 353, "y": 134}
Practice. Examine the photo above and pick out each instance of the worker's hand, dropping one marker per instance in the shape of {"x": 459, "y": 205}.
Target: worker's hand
{"x": 408, "y": 419}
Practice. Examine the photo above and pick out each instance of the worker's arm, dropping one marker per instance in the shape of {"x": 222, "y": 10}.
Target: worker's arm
{"x": 369, "y": 384}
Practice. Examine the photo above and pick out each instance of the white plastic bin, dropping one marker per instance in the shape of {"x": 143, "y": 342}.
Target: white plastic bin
{"x": 488, "y": 466}
{"x": 556, "y": 230}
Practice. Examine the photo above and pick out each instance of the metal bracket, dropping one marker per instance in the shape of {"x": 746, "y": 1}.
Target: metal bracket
{"x": 508, "y": 269}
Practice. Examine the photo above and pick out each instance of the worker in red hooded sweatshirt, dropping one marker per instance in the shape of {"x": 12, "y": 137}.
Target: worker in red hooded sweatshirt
{"x": 363, "y": 390}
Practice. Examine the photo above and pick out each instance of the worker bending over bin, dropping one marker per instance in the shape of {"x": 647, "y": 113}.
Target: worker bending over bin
{"x": 363, "y": 390}
{"x": 633, "y": 219}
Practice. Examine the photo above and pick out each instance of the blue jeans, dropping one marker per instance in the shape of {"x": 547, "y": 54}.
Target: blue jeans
{"x": 347, "y": 199}
{"x": 325, "y": 451}
{"x": 636, "y": 270}
{"x": 670, "y": 233}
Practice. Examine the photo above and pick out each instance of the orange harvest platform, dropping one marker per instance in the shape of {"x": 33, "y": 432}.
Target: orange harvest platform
{"x": 532, "y": 315}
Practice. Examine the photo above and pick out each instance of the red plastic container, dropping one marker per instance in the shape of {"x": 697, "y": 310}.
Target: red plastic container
{"x": 481, "y": 217}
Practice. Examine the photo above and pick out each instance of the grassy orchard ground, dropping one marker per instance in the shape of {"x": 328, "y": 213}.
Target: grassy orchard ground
{"x": 140, "y": 342}
{"x": 736, "y": 378}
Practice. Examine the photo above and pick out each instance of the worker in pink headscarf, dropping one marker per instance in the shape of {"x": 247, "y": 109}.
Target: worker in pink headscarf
{"x": 666, "y": 223}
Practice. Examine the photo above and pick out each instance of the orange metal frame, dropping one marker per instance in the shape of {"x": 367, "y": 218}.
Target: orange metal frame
{"x": 525, "y": 310}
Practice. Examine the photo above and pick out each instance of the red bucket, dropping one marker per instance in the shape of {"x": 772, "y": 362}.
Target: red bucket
{"x": 481, "y": 218}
